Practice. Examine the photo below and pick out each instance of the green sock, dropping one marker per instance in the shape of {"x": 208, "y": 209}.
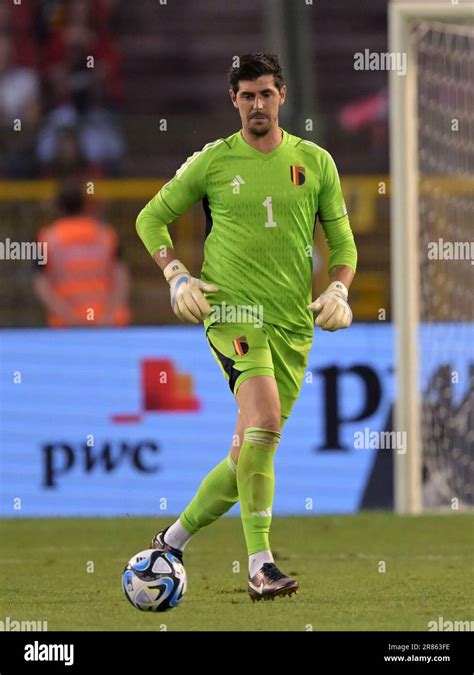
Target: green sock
{"x": 256, "y": 483}
{"x": 216, "y": 495}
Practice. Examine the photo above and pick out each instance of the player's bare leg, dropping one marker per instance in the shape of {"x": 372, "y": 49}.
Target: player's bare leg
{"x": 259, "y": 406}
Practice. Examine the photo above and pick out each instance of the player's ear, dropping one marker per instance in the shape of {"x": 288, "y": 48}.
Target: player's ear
{"x": 233, "y": 98}
{"x": 282, "y": 94}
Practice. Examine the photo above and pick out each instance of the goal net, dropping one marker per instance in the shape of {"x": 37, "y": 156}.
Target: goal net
{"x": 444, "y": 56}
{"x": 437, "y": 295}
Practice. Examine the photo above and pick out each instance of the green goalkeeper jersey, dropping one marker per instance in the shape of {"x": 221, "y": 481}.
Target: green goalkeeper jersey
{"x": 261, "y": 210}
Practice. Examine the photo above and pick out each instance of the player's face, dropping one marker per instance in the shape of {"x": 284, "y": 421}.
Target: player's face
{"x": 258, "y": 104}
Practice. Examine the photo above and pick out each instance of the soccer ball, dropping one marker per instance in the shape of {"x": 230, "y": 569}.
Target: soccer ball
{"x": 154, "y": 581}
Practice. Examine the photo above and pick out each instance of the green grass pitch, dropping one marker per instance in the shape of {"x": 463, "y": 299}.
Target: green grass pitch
{"x": 47, "y": 573}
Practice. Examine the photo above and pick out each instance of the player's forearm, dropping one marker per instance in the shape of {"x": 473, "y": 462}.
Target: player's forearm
{"x": 164, "y": 256}
{"x": 340, "y": 240}
{"x": 342, "y": 273}
{"x": 152, "y": 226}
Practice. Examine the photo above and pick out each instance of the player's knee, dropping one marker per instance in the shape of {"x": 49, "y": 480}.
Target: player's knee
{"x": 267, "y": 421}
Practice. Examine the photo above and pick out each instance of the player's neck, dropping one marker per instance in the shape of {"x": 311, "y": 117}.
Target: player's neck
{"x": 265, "y": 143}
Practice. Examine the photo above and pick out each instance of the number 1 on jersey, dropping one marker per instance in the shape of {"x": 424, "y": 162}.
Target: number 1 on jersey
{"x": 269, "y": 206}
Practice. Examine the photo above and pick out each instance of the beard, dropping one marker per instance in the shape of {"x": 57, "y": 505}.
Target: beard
{"x": 259, "y": 129}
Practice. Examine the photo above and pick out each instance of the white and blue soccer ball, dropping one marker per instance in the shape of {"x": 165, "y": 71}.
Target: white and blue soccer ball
{"x": 154, "y": 581}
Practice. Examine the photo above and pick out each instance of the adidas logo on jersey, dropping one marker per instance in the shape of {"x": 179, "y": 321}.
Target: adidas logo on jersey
{"x": 235, "y": 183}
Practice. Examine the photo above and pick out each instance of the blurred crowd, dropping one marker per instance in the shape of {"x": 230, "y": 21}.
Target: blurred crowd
{"x": 61, "y": 90}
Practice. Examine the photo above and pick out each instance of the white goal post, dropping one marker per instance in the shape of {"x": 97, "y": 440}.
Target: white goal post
{"x": 405, "y": 242}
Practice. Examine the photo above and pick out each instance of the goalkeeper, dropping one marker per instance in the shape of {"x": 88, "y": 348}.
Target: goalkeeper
{"x": 262, "y": 190}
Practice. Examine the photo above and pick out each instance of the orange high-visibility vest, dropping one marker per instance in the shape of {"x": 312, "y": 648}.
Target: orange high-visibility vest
{"x": 81, "y": 254}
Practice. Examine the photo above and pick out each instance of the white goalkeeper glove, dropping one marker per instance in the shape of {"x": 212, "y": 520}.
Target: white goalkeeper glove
{"x": 187, "y": 299}
{"x": 331, "y": 308}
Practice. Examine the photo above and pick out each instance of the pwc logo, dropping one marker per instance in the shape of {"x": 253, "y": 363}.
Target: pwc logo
{"x": 163, "y": 389}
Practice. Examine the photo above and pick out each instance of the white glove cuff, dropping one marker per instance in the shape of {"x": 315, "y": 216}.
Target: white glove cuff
{"x": 339, "y": 287}
{"x": 173, "y": 268}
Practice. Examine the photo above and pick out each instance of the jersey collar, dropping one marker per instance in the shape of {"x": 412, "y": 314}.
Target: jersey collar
{"x": 265, "y": 156}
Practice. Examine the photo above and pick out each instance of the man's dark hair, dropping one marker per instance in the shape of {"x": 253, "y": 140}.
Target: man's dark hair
{"x": 252, "y": 66}
{"x": 70, "y": 198}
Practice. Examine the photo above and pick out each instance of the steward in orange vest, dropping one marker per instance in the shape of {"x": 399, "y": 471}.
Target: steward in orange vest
{"x": 83, "y": 282}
